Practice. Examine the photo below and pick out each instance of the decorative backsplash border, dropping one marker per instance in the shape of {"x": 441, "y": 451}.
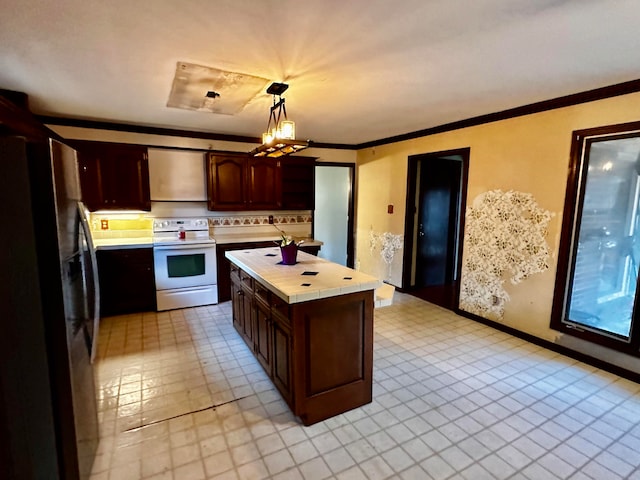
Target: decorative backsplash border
{"x": 239, "y": 220}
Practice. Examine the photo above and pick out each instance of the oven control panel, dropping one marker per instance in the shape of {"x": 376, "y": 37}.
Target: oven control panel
{"x": 177, "y": 224}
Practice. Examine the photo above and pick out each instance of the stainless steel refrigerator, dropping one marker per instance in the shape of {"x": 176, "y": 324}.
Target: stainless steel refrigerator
{"x": 49, "y": 299}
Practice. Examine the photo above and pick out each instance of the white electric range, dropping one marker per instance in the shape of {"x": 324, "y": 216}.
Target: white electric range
{"x": 185, "y": 263}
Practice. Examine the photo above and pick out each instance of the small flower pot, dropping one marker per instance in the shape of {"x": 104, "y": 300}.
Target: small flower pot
{"x": 289, "y": 254}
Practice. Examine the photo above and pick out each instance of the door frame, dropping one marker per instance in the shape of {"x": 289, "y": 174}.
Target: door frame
{"x": 411, "y": 209}
{"x": 350, "y": 207}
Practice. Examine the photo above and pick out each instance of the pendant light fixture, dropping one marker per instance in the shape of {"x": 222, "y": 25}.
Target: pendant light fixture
{"x": 279, "y": 139}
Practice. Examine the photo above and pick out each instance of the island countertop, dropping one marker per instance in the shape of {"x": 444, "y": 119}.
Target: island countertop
{"x": 310, "y": 278}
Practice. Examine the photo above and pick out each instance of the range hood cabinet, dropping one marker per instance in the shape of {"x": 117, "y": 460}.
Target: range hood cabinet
{"x": 177, "y": 175}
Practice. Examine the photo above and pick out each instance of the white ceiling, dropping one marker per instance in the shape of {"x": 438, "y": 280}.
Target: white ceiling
{"x": 358, "y": 70}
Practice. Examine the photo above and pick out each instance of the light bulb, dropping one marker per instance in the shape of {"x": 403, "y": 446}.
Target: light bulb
{"x": 288, "y": 129}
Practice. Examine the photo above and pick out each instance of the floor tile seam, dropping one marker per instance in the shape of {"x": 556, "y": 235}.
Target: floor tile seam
{"x": 599, "y": 417}
{"x": 520, "y": 435}
{"x": 456, "y": 471}
{"x": 227, "y": 449}
{"x": 518, "y": 470}
{"x": 606, "y": 449}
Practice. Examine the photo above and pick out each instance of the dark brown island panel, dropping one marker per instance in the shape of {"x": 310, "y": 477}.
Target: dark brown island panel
{"x": 310, "y": 326}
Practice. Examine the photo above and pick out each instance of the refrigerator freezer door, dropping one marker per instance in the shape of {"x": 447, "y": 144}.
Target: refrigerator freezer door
{"x": 66, "y": 183}
{"x": 79, "y": 289}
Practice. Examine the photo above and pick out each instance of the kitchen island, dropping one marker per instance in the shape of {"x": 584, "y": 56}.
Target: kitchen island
{"x": 310, "y": 325}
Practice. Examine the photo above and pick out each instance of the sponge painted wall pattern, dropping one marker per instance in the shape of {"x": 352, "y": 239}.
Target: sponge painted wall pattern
{"x": 505, "y": 238}
{"x": 388, "y": 244}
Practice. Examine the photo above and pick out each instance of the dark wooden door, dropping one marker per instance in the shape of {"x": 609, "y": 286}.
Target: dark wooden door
{"x": 298, "y": 183}
{"x": 263, "y": 191}
{"x": 262, "y": 340}
{"x": 237, "y": 304}
{"x": 114, "y": 176}
{"x": 438, "y": 229}
{"x": 247, "y": 315}
{"x": 127, "y": 281}
{"x": 125, "y": 174}
{"x": 226, "y": 177}
{"x": 282, "y": 356}
{"x": 90, "y": 181}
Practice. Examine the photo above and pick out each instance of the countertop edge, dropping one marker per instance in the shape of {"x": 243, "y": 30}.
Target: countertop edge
{"x": 122, "y": 243}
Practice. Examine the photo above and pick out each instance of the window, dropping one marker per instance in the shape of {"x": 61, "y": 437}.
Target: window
{"x": 185, "y": 265}
{"x": 596, "y": 286}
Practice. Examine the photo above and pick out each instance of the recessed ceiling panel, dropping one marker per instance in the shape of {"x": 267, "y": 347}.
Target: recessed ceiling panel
{"x": 205, "y": 89}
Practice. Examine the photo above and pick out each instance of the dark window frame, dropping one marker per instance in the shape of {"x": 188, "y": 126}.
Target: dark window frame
{"x": 566, "y": 256}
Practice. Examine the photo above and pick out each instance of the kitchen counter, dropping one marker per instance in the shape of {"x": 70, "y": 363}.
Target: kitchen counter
{"x": 221, "y": 239}
{"x": 310, "y": 278}
{"x": 310, "y": 325}
{"x": 125, "y": 242}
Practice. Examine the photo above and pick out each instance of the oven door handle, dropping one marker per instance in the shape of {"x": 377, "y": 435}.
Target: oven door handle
{"x": 184, "y": 247}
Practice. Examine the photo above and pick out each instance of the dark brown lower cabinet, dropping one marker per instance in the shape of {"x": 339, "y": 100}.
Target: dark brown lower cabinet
{"x": 319, "y": 354}
{"x": 127, "y": 281}
{"x": 242, "y": 303}
{"x": 237, "y": 306}
{"x": 262, "y": 338}
{"x": 281, "y": 375}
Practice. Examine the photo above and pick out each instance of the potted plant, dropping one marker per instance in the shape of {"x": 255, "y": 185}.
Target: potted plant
{"x": 288, "y": 248}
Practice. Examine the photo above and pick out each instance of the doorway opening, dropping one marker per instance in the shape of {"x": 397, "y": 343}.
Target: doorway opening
{"x": 434, "y": 225}
{"x": 333, "y": 214}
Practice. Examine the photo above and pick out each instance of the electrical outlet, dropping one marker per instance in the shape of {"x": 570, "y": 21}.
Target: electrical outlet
{"x": 104, "y": 224}
{"x": 495, "y": 300}
{"x": 271, "y": 219}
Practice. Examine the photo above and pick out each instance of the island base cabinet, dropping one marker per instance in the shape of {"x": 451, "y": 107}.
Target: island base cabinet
{"x": 332, "y": 355}
{"x": 319, "y": 353}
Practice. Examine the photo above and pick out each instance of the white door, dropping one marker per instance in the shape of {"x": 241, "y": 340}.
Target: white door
{"x": 331, "y": 216}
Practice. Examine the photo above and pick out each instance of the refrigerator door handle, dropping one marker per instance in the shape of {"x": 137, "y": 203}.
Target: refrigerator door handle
{"x": 84, "y": 224}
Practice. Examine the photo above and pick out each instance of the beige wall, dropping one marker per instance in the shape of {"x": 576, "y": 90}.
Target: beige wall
{"x": 527, "y": 155}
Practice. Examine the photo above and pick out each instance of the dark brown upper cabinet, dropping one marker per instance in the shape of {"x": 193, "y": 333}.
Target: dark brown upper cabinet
{"x": 298, "y": 183}
{"x": 113, "y": 176}
{"x": 243, "y": 182}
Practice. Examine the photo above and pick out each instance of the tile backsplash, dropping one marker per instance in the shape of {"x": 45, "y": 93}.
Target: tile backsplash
{"x": 114, "y": 224}
{"x": 120, "y": 225}
{"x": 251, "y": 219}
{"x": 296, "y": 224}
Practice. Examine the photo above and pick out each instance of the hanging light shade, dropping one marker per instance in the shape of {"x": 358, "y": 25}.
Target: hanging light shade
{"x": 279, "y": 139}
{"x": 287, "y": 130}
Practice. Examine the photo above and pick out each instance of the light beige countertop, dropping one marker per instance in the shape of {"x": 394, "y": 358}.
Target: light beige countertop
{"x": 289, "y": 281}
{"x": 124, "y": 242}
{"x": 142, "y": 242}
{"x": 223, "y": 239}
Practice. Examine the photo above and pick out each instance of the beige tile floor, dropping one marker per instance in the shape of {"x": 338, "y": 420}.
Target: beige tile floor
{"x": 181, "y": 397}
